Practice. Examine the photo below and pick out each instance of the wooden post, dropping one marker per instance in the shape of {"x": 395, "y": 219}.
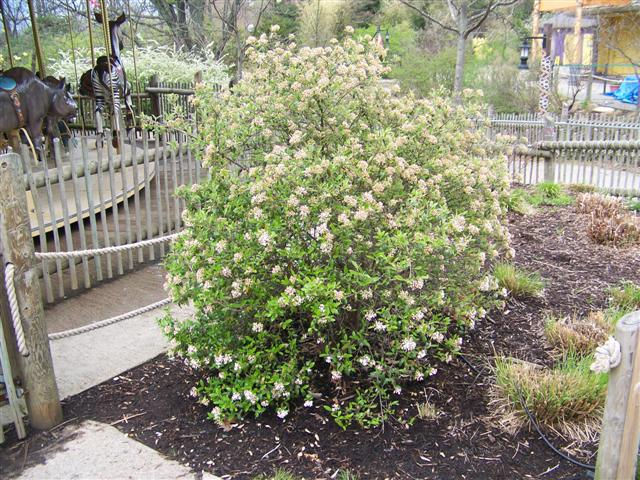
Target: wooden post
{"x": 620, "y": 434}
{"x": 535, "y": 30}
{"x": 548, "y": 135}
{"x": 155, "y": 100}
{"x": 16, "y": 246}
{"x": 577, "y": 33}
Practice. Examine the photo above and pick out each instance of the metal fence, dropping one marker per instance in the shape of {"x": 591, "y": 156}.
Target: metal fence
{"x": 92, "y": 198}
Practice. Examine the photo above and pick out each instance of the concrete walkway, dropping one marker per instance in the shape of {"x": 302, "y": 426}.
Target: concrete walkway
{"x": 98, "y": 451}
{"x": 85, "y": 360}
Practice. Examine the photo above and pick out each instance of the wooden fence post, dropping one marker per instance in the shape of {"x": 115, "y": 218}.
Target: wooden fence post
{"x": 618, "y": 449}
{"x": 156, "y": 111}
{"x": 16, "y": 246}
{"x": 548, "y": 135}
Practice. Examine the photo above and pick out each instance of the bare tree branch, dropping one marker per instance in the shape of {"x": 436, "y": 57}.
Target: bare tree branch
{"x": 429, "y": 17}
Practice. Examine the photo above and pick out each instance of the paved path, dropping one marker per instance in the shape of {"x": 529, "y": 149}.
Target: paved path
{"x": 131, "y": 291}
{"x": 85, "y": 360}
{"x": 598, "y": 98}
{"x": 94, "y": 450}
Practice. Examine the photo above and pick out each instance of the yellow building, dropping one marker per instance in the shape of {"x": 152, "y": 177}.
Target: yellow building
{"x": 616, "y": 37}
{"x": 619, "y": 41}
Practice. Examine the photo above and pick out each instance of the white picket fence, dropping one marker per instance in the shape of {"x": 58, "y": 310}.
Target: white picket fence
{"x": 579, "y": 127}
{"x": 585, "y": 149}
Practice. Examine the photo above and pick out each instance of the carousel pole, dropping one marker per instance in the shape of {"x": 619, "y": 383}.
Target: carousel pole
{"x": 6, "y": 33}
{"x": 135, "y": 66}
{"x": 73, "y": 57}
{"x": 89, "y": 23}
{"x": 36, "y": 39}
{"x": 105, "y": 29}
{"x": 115, "y": 123}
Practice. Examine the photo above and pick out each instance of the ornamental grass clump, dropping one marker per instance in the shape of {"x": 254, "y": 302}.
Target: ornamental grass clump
{"x": 610, "y": 222}
{"x": 625, "y": 298}
{"x": 517, "y": 281}
{"x": 568, "y": 398}
{"x": 340, "y": 246}
{"x": 580, "y": 335}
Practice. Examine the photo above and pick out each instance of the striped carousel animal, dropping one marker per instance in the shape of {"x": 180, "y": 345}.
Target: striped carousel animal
{"x": 107, "y": 83}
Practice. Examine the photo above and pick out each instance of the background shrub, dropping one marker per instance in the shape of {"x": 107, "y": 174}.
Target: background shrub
{"x": 342, "y": 238}
{"x": 171, "y": 64}
{"x": 551, "y": 194}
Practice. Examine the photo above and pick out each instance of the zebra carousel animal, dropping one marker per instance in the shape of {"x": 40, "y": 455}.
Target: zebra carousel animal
{"x": 107, "y": 82}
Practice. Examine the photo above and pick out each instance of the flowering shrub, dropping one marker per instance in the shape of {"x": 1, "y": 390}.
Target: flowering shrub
{"x": 171, "y": 64}
{"x": 341, "y": 238}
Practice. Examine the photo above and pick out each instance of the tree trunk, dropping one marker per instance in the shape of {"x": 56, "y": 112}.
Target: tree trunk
{"x": 174, "y": 14}
{"x": 461, "y": 51}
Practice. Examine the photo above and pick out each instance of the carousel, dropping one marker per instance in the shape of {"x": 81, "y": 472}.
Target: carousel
{"x": 82, "y": 134}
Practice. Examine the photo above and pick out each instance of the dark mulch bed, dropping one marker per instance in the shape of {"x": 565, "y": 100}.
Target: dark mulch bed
{"x": 151, "y": 402}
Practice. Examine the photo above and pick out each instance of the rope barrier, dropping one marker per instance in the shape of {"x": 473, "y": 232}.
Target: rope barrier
{"x": 108, "y": 321}
{"x": 9, "y": 272}
{"x": 105, "y": 250}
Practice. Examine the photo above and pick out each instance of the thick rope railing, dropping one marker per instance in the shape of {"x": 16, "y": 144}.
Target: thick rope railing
{"x": 79, "y": 254}
{"x": 9, "y": 273}
{"x": 109, "y": 321}
{"x": 105, "y": 250}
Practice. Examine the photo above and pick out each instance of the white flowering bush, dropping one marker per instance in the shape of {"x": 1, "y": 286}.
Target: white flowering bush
{"x": 171, "y": 64}
{"x": 341, "y": 240}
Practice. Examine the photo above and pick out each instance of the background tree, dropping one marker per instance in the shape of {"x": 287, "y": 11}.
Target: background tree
{"x": 320, "y": 21}
{"x": 231, "y": 14}
{"x": 183, "y": 17}
{"x": 460, "y": 17}
{"x": 284, "y": 13}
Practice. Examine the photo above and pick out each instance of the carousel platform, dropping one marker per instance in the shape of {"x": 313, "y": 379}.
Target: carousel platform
{"x": 54, "y": 204}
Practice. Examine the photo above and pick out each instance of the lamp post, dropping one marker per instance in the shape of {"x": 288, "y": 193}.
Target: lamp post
{"x": 524, "y": 54}
{"x": 544, "y": 81}
{"x": 525, "y": 50}
{"x": 379, "y": 39}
